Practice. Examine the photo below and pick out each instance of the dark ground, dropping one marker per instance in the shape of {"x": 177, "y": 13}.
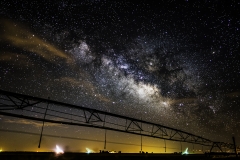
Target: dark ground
{"x": 105, "y": 156}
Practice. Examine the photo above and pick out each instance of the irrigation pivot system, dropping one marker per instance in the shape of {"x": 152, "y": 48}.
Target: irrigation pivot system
{"x": 46, "y": 110}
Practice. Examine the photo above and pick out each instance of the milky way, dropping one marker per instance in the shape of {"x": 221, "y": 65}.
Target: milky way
{"x": 175, "y": 63}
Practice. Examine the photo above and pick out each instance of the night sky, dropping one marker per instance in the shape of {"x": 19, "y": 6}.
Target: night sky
{"x": 175, "y": 63}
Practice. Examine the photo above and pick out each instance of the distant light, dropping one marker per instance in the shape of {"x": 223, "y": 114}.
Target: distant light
{"x": 185, "y": 152}
{"x": 1, "y": 150}
{"x": 58, "y": 150}
{"x": 89, "y": 150}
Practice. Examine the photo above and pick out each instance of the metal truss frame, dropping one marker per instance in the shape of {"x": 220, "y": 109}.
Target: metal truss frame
{"x": 222, "y": 145}
{"x": 46, "y": 110}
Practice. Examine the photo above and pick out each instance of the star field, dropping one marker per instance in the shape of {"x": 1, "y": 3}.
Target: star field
{"x": 175, "y": 63}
